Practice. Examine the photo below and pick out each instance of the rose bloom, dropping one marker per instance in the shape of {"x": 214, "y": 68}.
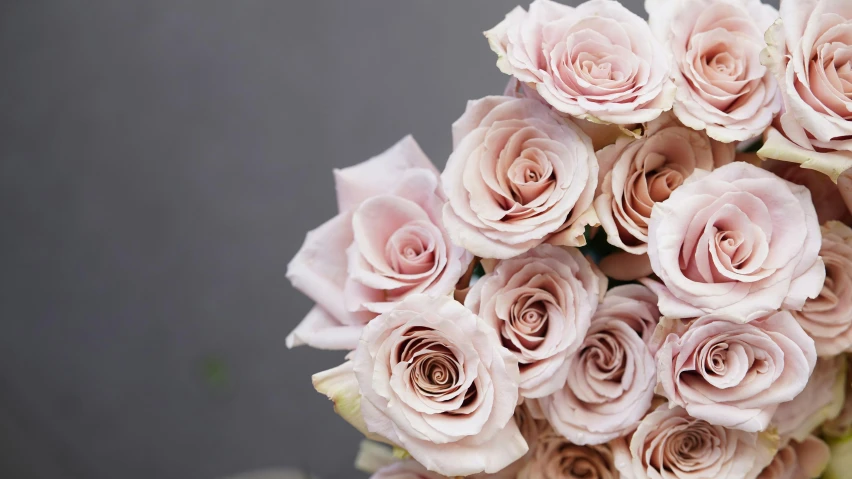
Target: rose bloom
{"x": 721, "y": 86}
{"x": 541, "y": 304}
{"x": 519, "y": 175}
{"x": 739, "y": 241}
{"x": 798, "y": 460}
{"x": 733, "y": 374}
{"x": 633, "y": 304}
{"x": 671, "y": 444}
{"x": 610, "y": 383}
{"x": 828, "y": 317}
{"x": 436, "y": 381}
{"x": 386, "y": 243}
{"x": 821, "y": 400}
{"x": 810, "y": 52}
{"x": 636, "y": 174}
{"x": 554, "y": 456}
{"x": 828, "y": 199}
{"x": 597, "y": 61}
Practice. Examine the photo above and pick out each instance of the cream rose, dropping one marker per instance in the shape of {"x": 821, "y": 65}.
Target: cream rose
{"x": 518, "y": 176}
{"x": 738, "y": 241}
{"x": 541, "y": 304}
{"x": 671, "y": 444}
{"x": 386, "y": 243}
{"x": 733, "y": 374}
{"x": 436, "y": 381}
{"x": 597, "y": 61}
{"x": 828, "y": 317}
{"x": 810, "y": 52}
{"x": 820, "y": 401}
{"x": 636, "y": 174}
{"x": 554, "y": 456}
{"x": 721, "y": 86}
{"x": 610, "y": 382}
{"x": 798, "y": 460}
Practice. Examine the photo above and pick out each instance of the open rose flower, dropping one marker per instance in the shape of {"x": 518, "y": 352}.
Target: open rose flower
{"x": 739, "y": 241}
{"x": 721, "y": 86}
{"x": 518, "y": 176}
{"x": 798, "y": 460}
{"x": 821, "y": 400}
{"x": 610, "y": 383}
{"x": 541, "y": 304}
{"x": 638, "y": 173}
{"x": 554, "y": 456}
{"x": 386, "y": 243}
{"x": 810, "y": 52}
{"x": 597, "y": 61}
{"x": 828, "y": 317}
{"x": 436, "y": 381}
{"x": 733, "y": 374}
{"x": 671, "y": 444}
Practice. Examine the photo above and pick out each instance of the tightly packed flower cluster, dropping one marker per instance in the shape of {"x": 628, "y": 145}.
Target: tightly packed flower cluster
{"x": 603, "y": 282}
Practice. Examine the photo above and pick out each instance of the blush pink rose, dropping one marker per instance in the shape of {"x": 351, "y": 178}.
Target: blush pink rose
{"x": 671, "y": 444}
{"x": 810, "y": 53}
{"x": 554, "y": 456}
{"x": 435, "y": 380}
{"x": 738, "y": 241}
{"x": 828, "y": 199}
{"x": 721, "y": 86}
{"x": 541, "y": 304}
{"x": 820, "y": 401}
{"x": 799, "y": 460}
{"x": 519, "y": 175}
{"x": 636, "y": 174}
{"x": 733, "y": 374}
{"x": 386, "y": 243}
{"x": 633, "y": 304}
{"x": 597, "y": 61}
{"x": 610, "y": 382}
{"x": 828, "y": 317}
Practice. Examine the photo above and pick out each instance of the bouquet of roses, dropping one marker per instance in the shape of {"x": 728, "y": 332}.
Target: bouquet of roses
{"x": 637, "y": 262}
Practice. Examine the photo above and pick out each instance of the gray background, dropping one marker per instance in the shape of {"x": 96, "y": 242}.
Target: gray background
{"x": 160, "y": 163}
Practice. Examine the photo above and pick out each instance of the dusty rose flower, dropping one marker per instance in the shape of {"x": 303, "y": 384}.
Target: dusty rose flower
{"x": 739, "y": 241}
{"x": 597, "y": 61}
{"x": 610, "y": 383}
{"x": 436, "y": 381}
{"x": 810, "y": 53}
{"x": 636, "y": 174}
{"x": 798, "y": 460}
{"x": 828, "y": 317}
{"x": 821, "y": 400}
{"x": 721, "y": 86}
{"x": 827, "y": 197}
{"x": 671, "y": 444}
{"x": 540, "y": 303}
{"x": 734, "y": 374}
{"x": 554, "y": 456}
{"x": 633, "y": 304}
{"x": 386, "y": 243}
{"x": 518, "y": 176}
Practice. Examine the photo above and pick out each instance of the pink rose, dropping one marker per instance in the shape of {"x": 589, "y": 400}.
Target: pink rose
{"x": 799, "y": 460}
{"x": 671, "y": 444}
{"x": 597, "y": 61}
{"x": 738, "y": 241}
{"x": 637, "y": 173}
{"x": 828, "y": 199}
{"x": 820, "y": 401}
{"x": 828, "y": 317}
{"x": 810, "y": 51}
{"x": 518, "y": 176}
{"x": 721, "y": 86}
{"x": 386, "y": 243}
{"x": 554, "y": 456}
{"x": 610, "y": 383}
{"x": 733, "y": 374}
{"x": 436, "y": 381}
{"x": 540, "y": 303}
{"x": 633, "y": 304}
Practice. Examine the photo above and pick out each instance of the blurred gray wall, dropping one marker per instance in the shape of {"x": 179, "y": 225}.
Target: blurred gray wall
{"x": 160, "y": 163}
